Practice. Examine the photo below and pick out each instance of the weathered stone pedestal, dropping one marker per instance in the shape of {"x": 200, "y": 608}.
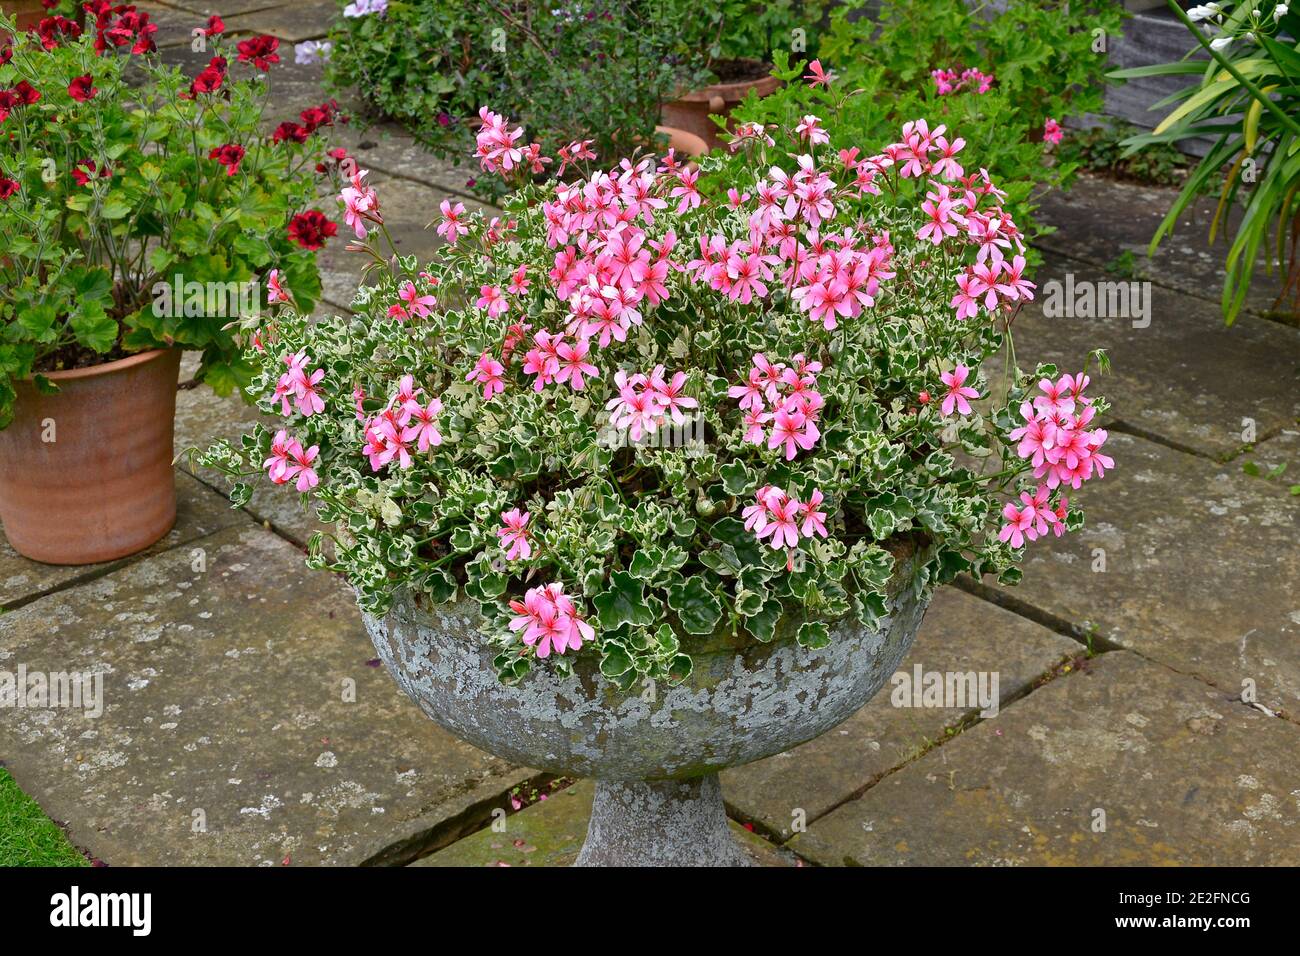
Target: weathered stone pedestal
{"x": 660, "y": 823}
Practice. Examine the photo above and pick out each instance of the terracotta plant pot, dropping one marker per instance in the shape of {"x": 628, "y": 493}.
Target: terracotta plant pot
{"x": 86, "y": 474}
{"x": 28, "y": 13}
{"x": 655, "y": 759}
{"x": 691, "y": 112}
{"x": 686, "y": 144}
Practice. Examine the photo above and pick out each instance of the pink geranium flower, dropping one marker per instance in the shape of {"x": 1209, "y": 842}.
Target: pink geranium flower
{"x": 422, "y": 427}
{"x": 793, "y": 430}
{"x": 958, "y": 391}
{"x": 487, "y": 372}
{"x": 514, "y": 535}
{"x": 451, "y": 227}
{"x": 574, "y": 365}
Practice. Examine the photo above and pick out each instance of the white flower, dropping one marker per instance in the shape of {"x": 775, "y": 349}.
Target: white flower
{"x": 1219, "y": 44}
{"x": 311, "y": 51}
{"x": 359, "y": 8}
{"x": 1203, "y": 12}
{"x": 1280, "y": 11}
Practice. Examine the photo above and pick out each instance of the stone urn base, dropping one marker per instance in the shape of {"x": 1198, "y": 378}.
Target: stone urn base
{"x": 660, "y": 823}
{"x": 654, "y": 751}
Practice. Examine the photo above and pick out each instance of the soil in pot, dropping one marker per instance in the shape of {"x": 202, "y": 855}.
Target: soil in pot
{"x": 86, "y": 473}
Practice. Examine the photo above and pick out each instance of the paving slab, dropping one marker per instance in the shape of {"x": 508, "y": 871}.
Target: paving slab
{"x": 550, "y": 833}
{"x": 388, "y": 148}
{"x": 1124, "y": 763}
{"x": 199, "y": 512}
{"x": 245, "y": 721}
{"x": 203, "y": 417}
{"x": 1183, "y": 378}
{"x": 225, "y": 8}
{"x": 960, "y": 634}
{"x": 1200, "y": 568}
{"x": 1100, "y": 219}
{"x": 292, "y": 22}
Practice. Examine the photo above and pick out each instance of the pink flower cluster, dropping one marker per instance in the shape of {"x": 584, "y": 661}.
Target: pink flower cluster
{"x": 1052, "y": 132}
{"x": 412, "y": 301}
{"x": 781, "y": 518}
{"x": 549, "y": 620}
{"x": 301, "y": 386}
{"x": 784, "y": 398}
{"x": 644, "y": 403}
{"x": 288, "y": 460}
{"x": 498, "y": 150}
{"x": 360, "y": 204}
{"x": 1056, "y": 440}
{"x": 514, "y": 534}
{"x": 950, "y": 81}
{"x": 405, "y": 422}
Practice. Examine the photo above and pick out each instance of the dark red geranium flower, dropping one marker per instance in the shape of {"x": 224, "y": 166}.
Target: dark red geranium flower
{"x": 6, "y": 53}
{"x": 209, "y": 81}
{"x": 289, "y": 130}
{"x": 52, "y": 29}
{"x": 80, "y": 89}
{"x": 97, "y": 8}
{"x": 259, "y": 51}
{"x": 314, "y": 117}
{"x": 7, "y": 101}
{"x": 215, "y": 27}
{"x": 131, "y": 27}
{"x": 338, "y": 154}
{"x": 25, "y": 94}
{"x": 229, "y": 156}
{"x": 7, "y": 187}
{"x": 310, "y": 229}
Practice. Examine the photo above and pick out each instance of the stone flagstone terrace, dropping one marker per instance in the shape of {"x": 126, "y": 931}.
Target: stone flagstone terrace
{"x": 246, "y": 721}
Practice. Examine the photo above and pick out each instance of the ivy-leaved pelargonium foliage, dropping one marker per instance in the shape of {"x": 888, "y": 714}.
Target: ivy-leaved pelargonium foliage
{"x": 643, "y": 408}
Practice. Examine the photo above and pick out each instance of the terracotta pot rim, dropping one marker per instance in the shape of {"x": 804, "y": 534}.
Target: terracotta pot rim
{"x": 684, "y": 138}
{"x": 732, "y": 91}
{"x": 104, "y": 368}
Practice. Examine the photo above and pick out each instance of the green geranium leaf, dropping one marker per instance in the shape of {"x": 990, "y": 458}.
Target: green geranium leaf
{"x": 615, "y": 661}
{"x": 738, "y": 479}
{"x": 697, "y": 607}
{"x": 813, "y": 634}
{"x": 763, "y": 624}
{"x": 623, "y": 602}
{"x": 92, "y": 326}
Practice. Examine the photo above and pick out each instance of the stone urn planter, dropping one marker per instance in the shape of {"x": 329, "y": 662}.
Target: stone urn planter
{"x": 692, "y": 111}
{"x": 86, "y": 473}
{"x": 656, "y": 761}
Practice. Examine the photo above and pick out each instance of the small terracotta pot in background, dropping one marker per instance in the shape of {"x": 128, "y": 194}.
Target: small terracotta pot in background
{"x": 28, "y": 13}
{"x": 682, "y": 142}
{"x": 103, "y": 488}
{"x": 691, "y": 112}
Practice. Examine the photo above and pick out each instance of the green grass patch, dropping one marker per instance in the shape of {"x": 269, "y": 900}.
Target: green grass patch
{"x": 27, "y": 836}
